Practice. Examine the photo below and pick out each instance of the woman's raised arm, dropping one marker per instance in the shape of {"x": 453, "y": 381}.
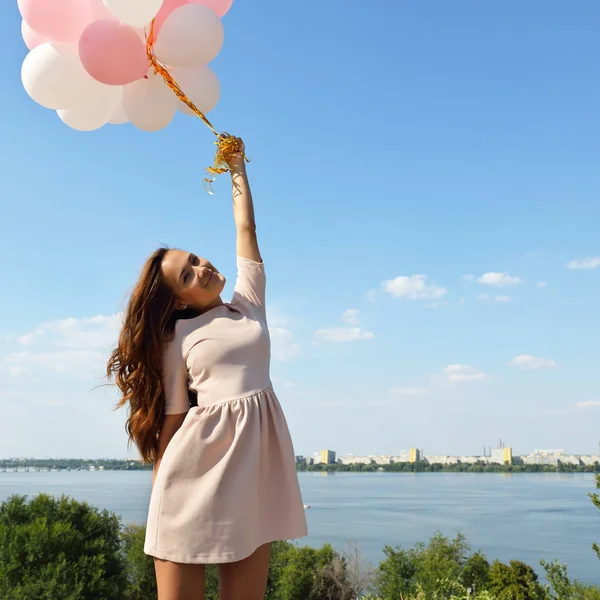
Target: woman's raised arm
{"x": 243, "y": 210}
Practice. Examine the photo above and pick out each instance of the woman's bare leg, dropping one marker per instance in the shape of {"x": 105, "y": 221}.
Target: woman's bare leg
{"x": 178, "y": 581}
{"x": 246, "y": 579}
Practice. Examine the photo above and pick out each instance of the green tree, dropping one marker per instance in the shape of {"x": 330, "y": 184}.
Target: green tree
{"x": 304, "y": 573}
{"x": 442, "y": 559}
{"x": 396, "y": 573}
{"x": 515, "y": 581}
{"x": 140, "y": 567}
{"x": 596, "y": 500}
{"x": 59, "y": 548}
{"x": 560, "y": 586}
{"x": 476, "y": 573}
{"x": 422, "y": 568}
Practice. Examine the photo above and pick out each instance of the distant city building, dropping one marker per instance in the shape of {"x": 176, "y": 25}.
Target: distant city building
{"x": 501, "y": 456}
{"x": 301, "y": 460}
{"x": 324, "y": 457}
{"x": 414, "y": 455}
{"x": 554, "y": 457}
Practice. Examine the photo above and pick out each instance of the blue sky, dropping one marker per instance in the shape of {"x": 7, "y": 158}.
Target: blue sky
{"x": 389, "y": 141}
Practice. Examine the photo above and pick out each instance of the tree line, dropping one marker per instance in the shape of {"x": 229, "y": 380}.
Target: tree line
{"x": 425, "y": 467}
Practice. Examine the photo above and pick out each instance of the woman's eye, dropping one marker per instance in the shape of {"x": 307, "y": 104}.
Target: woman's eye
{"x": 186, "y": 278}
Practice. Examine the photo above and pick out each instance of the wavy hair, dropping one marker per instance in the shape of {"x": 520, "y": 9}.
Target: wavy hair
{"x": 136, "y": 363}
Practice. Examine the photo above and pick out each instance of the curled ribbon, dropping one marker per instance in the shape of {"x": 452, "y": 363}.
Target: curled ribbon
{"x": 227, "y": 145}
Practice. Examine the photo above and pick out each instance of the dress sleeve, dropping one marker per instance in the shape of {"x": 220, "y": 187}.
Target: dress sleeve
{"x": 175, "y": 380}
{"x": 251, "y": 283}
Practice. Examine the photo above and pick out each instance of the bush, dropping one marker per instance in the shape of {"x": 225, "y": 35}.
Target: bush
{"x": 141, "y": 578}
{"x": 422, "y": 569}
{"x": 59, "y": 548}
{"x": 515, "y": 581}
{"x": 560, "y": 587}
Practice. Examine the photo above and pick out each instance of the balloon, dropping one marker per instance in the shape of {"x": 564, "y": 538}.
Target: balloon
{"x": 94, "y": 111}
{"x": 200, "y": 85}
{"x": 149, "y": 103}
{"x": 30, "y": 37}
{"x": 136, "y": 13}
{"x": 57, "y": 20}
{"x": 119, "y": 117}
{"x": 167, "y": 8}
{"x": 99, "y": 11}
{"x": 54, "y": 77}
{"x": 191, "y": 36}
{"x": 112, "y": 52}
{"x": 221, "y": 7}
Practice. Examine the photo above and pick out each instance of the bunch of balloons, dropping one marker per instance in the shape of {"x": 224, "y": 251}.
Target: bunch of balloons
{"x": 89, "y": 59}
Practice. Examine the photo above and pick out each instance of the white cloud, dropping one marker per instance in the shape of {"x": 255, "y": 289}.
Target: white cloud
{"x": 409, "y": 392}
{"x": 331, "y": 404}
{"x": 460, "y": 373}
{"x": 283, "y": 344}
{"x": 351, "y": 316}
{"x": 526, "y": 362}
{"x": 78, "y": 347}
{"x": 343, "y": 335}
{"x": 81, "y": 364}
{"x": 588, "y": 404}
{"x": 500, "y": 299}
{"x": 19, "y": 370}
{"x": 98, "y": 332}
{"x": 371, "y": 295}
{"x": 437, "y": 304}
{"x": 284, "y": 383}
{"x": 414, "y": 287}
{"x": 541, "y": 284}
{"x": 589, "y": 262}
{"x": 498, "y": 279}
{"x": 469, "y": 277}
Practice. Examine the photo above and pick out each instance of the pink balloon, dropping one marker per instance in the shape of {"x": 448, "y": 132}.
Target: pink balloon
{"x": 57, "y": 20}
{"x": 221, "y": 7}
{"x": 99, "y": 11}
{"x": 167, "y": 8}
{"x": 30, "y": 37}
{"x": 113, "y": 53}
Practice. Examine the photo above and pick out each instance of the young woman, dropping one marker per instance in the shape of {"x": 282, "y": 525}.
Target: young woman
{"x": 194, "y": 372}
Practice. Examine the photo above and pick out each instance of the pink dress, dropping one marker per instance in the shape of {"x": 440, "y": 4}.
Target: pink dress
{"x": 227, "y": 482}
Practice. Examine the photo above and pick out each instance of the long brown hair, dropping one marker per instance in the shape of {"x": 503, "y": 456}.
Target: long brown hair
{"x": 136, "y": 362}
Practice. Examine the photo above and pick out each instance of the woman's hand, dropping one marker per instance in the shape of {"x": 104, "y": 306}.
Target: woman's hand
{"x": 236, "y": 161}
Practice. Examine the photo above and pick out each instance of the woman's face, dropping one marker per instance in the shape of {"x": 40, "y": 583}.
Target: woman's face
{"x": 194, "y": 281}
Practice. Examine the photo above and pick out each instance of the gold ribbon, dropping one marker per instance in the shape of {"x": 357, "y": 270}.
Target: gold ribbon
{"x": 227, "y": 145}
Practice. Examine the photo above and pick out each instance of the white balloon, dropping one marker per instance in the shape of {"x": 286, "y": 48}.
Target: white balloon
{"x": 149, "y": 104}
{"x": 200, "y": 85}
{"x": 191, "y": 36}
{"x": 136, "y": 13}
{"x": 54, "y": 77}
{"x": 119, "y": 117}
{"x": 94, "y": 111}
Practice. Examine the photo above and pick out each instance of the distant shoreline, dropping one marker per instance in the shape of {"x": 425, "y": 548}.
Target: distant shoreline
{"x": 425, "y": 467}
{"x": 47, "y": 465}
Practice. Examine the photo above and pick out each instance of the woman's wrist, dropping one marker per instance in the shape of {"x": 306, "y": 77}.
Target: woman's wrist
{"x": 237, "y": 166}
